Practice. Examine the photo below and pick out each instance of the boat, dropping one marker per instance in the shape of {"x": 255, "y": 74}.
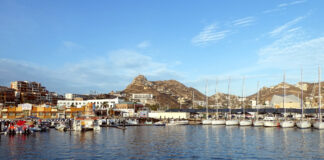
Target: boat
{"x": 132, "y": 122}
{"x": 257, "y": 122}
{"x": 61, "y": 126}
{"x": 160, "y": 123}
{"x": 302, "y": 123}
{"x": 230, "y": 121}
{"x": 206, "y": 121}
{"x": 270, "y": 121}
{"x": 319, "y": 124}
{"x": 217, "y": 120}
{"x": 286, "y": 123}
{"x": 244, "y": 121}
{"x": 173, "y": 122}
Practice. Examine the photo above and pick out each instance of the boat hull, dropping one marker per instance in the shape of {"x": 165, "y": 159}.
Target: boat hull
{"x": 287, "y": 124}
{"x": 257, "y": 123}
{"x": 270, "y": 124}
{"x": 219, "y": 122}
{"x": 207, "y": 122}
{"x": 245, "y": 123}
{"x": 318, "y": 125}
{"x": 232, "y": 123}
{"x": 303, "y": 124}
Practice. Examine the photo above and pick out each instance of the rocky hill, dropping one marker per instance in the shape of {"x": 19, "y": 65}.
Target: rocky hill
{"x": 171, "y": 93}
{"x": 168, "y": 93}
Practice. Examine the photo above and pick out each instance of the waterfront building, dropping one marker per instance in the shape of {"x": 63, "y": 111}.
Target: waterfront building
{"x": 291, "y": 101}
{"x": 128, "y": 109}
{"x": 7, "y": 96}
{"x": 169, "y": 115}
{"x": 98, "y": 103}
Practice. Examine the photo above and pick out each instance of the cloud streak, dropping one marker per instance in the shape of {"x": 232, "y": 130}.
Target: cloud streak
{"x": 284, "y": 6}
{"x": 281, "y": 29}
{"x": 209, "y": 34}
{"x": 244, "y": 21}
{"x": 144, "y": 44}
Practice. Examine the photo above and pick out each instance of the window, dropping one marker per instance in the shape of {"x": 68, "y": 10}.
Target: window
{"x": 53, "y": 114}
{"x": 11, "y": 114}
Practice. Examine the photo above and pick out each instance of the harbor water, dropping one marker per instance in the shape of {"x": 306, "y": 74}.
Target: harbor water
{"x": 168, "y": 142}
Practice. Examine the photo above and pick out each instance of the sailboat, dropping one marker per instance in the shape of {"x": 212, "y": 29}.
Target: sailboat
{"x": 244, "y": 122}
{"x": 285, "y": 123}
{"x": 207, "y": 121}
{"x": 302, "y": 123}
{"x": 217, "y": 121}
{"x": 230, "y": 121}
{"x": 257, "y": 122}
{"x": 319, "y": 124}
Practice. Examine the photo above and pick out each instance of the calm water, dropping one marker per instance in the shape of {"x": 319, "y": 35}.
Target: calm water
{"x": 170, "y": 142}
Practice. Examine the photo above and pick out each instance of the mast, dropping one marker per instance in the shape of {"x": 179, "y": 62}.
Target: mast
{"x": 193, "y": 99}
{"x": 206, "y": 98}
{"x": 319, "y": 93}
{"x": 216, "y": 100}
{"x": 301, "y": 99}
{"x": 257, "y": 100}
{"x": 243, "y": 97}
{"x": 284, "y": 94}
{"x": 229, "y": 97}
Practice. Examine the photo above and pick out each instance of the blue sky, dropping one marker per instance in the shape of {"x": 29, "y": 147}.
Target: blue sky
{"x": 77, "y": 46}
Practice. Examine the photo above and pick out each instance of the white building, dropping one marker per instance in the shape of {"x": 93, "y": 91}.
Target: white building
{"x": 170, "y": 115}
{"x": 99, "y": 103}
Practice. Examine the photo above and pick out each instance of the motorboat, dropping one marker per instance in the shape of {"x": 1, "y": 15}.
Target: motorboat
{"x": 287, "y": 124}
{"x": 270, "y": 121}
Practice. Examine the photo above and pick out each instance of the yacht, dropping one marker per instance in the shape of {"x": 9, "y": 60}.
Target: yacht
{"x": 285, "y": 123}
{"x": 319, "y": 124}
{"x": 302, "y": 123}
{"x": 230, "y": 121}
{"x": 270, "y": 121}
{"x": 244, "y": 121}
{"x": 207, "y": 121}
{"x": 217, "y": 120}
{"x": 257, "y": 122}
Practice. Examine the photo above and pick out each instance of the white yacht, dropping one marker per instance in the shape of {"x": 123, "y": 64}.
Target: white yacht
{"x": 302, "y": 123}
{"x": 270, "y": 121}
{"x": 257, "y": 122}
{"x": 319, "y": 124}
{"x": 244, "y": 121}
{"x": 285, "y": 123}
{"x": 230, "y": 121}
{"x": 206, "y": 121}
{"x": 217, "y": 120}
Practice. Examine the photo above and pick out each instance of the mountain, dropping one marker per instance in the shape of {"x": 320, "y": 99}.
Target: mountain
{"x": 168, "y": 93}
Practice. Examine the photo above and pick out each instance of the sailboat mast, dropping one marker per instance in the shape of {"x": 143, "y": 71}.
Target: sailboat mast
{"x": 243, "y": 97}
{"x": 216, "y": 100}
{"x": 319, "y": 93}
{"x": 206, "y": 92}
{"x": 301, "y": 99}
{"x": 257, "y": 100}
{"x": 229, "y": 97}
{"x": 193, "y": 99}
{"x": 284, "y": 94}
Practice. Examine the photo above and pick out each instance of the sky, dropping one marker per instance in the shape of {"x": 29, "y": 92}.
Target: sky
{"x": 80, "y": 46}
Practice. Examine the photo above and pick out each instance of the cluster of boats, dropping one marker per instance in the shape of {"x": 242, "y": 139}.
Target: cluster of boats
{"x": 22, "y": 127}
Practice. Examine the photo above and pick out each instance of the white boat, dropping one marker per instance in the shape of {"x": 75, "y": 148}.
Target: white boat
{"x": 177, "y": 122}
{"x": 77, "y": 125}
{"x": 160, "y": 123}
{"x": 257, "y": 123}
{"x": 96, "y": 125}
{"x": 132, "y": 122}
{"x": 319, "y": 124}
{"x": 270, "y": 121}
{"x": 218, "y": 122}
{"x": 207, "y": 122}
{"x": 303, "y": 124}
{"x": 287, "y": 124}
{"x": 60, "y": 127}
{"x": 232, "y": 122}
{"x": 245, "y": 122}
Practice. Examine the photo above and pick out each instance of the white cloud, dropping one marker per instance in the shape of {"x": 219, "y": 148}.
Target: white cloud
{"x": 244, "y": 21}
{"x": 113, "y": 71}
{"x": 209, "y": 34}
{"x": 144, "y": 44}
{"x": 283, "y": 6}
{"x": 282, "y": 29}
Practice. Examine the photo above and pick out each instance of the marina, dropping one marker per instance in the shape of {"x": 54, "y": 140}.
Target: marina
{"x": 169, "y": 142}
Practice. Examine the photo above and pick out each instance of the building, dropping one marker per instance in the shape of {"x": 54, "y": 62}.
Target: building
{"x": 98, "y": 103}
{"x": 143, "y": 98}
{"x": 7, "y": 96}
{"x": 169, "y": 115}
{"x": 291, "y": 101}
{"x": 129, "y": 108}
